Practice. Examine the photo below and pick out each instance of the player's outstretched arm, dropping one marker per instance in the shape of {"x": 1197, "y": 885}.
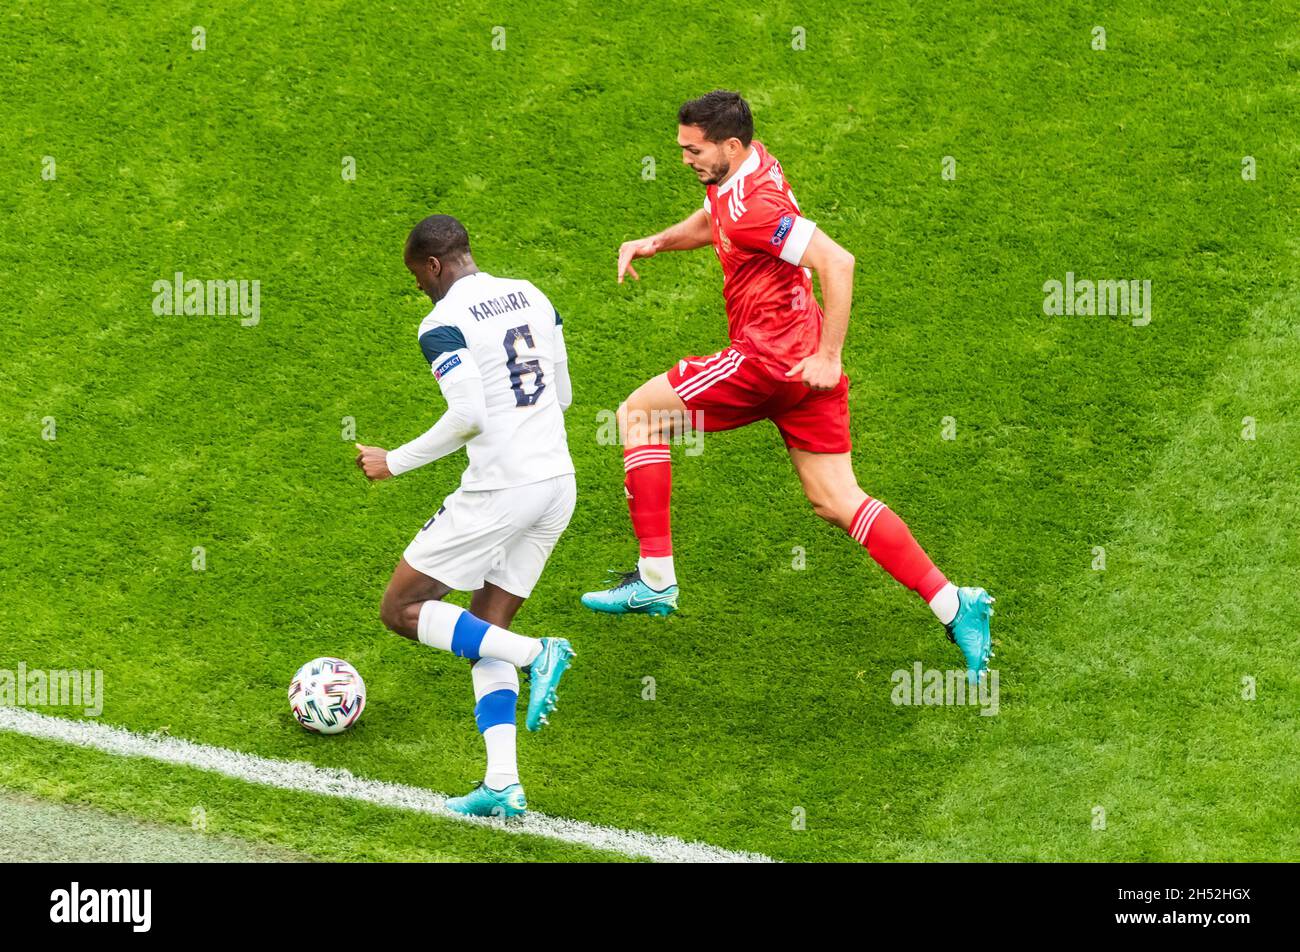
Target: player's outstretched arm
{"x": 465, "y": 418}
{"x": 693, "y": 232}
{"x": 834, "y": 267}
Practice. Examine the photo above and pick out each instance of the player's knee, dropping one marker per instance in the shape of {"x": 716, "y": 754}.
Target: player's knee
{"x": 634, "y": 424}
{"x": 396, "y": 616}
{"x": 825, "y": 509}
{"x": 833, "y": 509}
{"x": 389, "y": 615}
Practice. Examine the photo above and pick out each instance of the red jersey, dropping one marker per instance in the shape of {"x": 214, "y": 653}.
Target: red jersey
{"x": 760, "y": 237}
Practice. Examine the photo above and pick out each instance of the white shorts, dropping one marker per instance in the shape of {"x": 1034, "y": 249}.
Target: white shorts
{"x": 502, "y": 536}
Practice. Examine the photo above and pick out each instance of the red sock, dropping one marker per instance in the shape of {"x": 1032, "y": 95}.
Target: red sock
{"x": 890, "y": 543}
{"x": 649, "y": 483}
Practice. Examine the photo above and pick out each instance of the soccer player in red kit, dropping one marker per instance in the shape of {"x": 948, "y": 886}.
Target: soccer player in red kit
{"x": 783, "y": 365}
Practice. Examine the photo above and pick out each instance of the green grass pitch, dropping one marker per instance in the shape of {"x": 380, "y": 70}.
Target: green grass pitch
{"x": 1148, "y": 709}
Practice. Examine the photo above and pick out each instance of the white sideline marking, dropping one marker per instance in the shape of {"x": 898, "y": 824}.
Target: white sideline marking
{"x": 336, "y": 782}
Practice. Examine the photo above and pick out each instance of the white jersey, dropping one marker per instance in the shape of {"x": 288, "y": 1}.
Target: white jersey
{"x": 509, "y": 329}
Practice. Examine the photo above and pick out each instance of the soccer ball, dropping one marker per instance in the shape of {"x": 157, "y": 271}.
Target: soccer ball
{"x": 327, "y": 695}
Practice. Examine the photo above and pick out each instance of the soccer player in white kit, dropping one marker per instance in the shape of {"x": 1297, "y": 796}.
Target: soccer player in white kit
{"x": 496, "y": 348}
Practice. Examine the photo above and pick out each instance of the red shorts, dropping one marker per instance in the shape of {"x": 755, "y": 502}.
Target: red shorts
{"x": 728, "y": 390}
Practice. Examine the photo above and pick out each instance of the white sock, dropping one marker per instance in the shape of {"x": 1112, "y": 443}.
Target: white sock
{"x": 945, "y": 604}
{"x": 437, "y": 629}
{"x": 657, "y": 571}
{"x": 491, "y": 675}
{"x": 502, "y": 767}
{"x": 507, "y": 646}
{"x": 436, "y": 625}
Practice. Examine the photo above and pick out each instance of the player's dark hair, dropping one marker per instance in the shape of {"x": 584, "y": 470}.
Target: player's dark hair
{"x": 721, "y": 115}
{"x": 438, "y": 236}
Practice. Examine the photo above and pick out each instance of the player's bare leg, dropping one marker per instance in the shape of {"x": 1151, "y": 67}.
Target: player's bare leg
{"x": 495, "y": 605}
{"x": 830, "y": 485}
{"x": 407, "y": 592}
{"x": 649, "y": 416}
{"x": 647, "y": 421}
{"x": 832, "y": 488}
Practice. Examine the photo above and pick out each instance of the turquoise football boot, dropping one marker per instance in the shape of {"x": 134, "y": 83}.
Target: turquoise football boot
{"x": 484, "y": 801}
{"x": 544, "y": 678}
{"x": 969, "y": 631}
{"x": 632, "y": 596}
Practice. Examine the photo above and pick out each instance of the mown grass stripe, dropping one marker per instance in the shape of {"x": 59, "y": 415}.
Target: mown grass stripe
{"x": 335, "y": 782}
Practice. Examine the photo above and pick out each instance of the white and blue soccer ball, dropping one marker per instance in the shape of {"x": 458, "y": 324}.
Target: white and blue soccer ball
{"x": 327, "y": 695}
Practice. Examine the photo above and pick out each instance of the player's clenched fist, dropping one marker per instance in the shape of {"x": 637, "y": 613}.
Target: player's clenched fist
{"x": 818, "y": 372}
{"x": 373, "y": 461}
{"x": 630, "y": 250}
